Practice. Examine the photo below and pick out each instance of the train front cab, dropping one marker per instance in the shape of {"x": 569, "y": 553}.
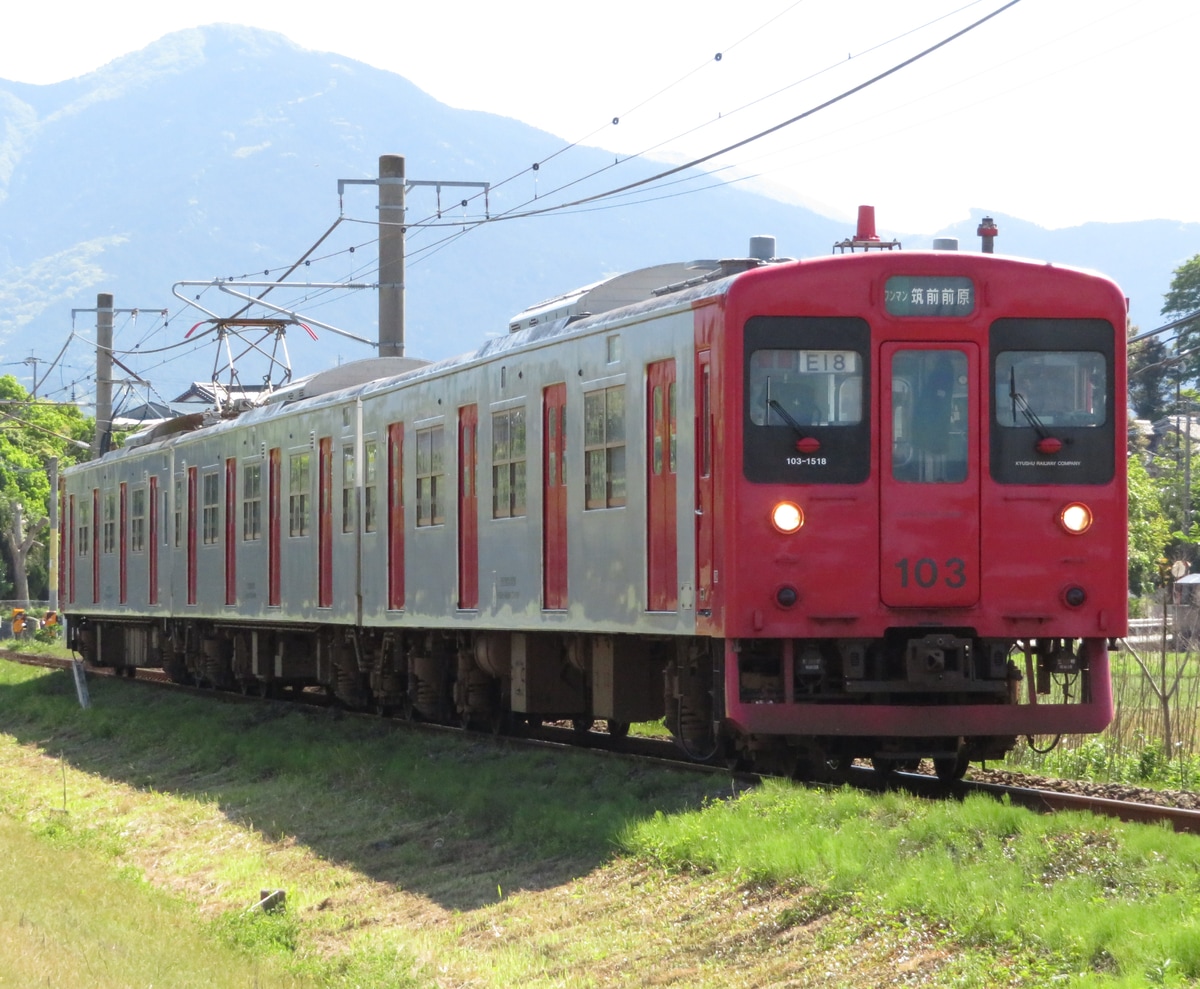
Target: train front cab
{"x": 935, "y": 512}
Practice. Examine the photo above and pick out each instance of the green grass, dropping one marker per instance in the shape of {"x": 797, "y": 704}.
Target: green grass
{"x": 67, "y": 917}
{"x": 412, "y": 860}
{"x": 1107, "y": 900}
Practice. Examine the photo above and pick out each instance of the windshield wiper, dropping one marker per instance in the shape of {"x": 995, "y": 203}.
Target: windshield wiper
{"x": 786, "y": 417}
{"x": 1018, "y": 402}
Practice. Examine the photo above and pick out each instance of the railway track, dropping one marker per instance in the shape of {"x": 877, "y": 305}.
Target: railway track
{"x": 1178, "y": 810}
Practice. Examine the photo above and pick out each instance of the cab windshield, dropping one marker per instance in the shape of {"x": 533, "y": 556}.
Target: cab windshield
{"x": 805, "y": 387}
{"x": 1050, "y": 388}
{"x": 805, "y": 420}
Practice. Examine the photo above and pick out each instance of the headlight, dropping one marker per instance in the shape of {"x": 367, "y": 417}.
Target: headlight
{"x": 787, "y": 517}
{"x": 1075, "y": 518}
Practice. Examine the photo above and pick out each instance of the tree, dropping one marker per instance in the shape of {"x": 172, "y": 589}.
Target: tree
{"x": 1150, "y": 377}
{"x": 1183, "y": 299}
{"x": 1149, "y": 529}
{"x": 31, "y": 433}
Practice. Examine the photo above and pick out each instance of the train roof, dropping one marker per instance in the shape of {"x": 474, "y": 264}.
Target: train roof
{"x": 620, "y": 298}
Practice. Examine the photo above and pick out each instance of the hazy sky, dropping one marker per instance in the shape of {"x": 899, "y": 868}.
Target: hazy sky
{"x": 1056, "y": 111}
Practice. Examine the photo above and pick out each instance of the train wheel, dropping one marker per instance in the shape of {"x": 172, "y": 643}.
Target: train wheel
{"x": 884, "y": 767}
{"x": 581, "y": 726}
{"x": 951, "y": 768}
{"x": 249, "y": 688}
{"x": 617, "y": 729}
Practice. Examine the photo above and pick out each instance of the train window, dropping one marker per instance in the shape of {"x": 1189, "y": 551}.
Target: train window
{"x": 929, "y": 416}
{"x": 431, "y": 477}
{"x": 252, "y": 502}
{"x": 110, "y": 521}
{"x": 1053, "y": 401}
{"x": 1053, "y": 387}
{"x": 805, "y": 419}
{"x": 672, "y": 429}
{"x": 137, "y": 520}
{"x": 212, "y": 507}
{"x": 370, "y": 486}
{"x": 508, "y": 464}
{"x": 657, "y": 431}
{"x": 299, "y": 486}
{"x": 613, "y": 348}
{"x": 348, "y": 488}
{"x": 604, "y": 447}
{"x": 84, "y": 527}
{"x": 808, "y": 387}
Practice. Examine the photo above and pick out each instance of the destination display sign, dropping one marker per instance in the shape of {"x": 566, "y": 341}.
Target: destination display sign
{"x": 929, "y": 295}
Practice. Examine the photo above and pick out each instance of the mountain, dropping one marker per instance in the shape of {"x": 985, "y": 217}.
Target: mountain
{"x": 218, "y": 151}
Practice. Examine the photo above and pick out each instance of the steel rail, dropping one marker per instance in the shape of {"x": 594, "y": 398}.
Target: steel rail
{"x": 662, "y": 751}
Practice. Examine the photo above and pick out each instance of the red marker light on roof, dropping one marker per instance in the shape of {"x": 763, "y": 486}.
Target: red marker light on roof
{"x": 1049, "y": 445}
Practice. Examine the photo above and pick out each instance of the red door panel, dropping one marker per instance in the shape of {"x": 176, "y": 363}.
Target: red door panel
{"x": 123, "y": 544}
{"x": 231, "y": 531}
{"x": 96, "y": 523}
{"x": 705, "y": 511}
{"x": 554, "y": 498}
{"x": 152, "y": 568}
{"x": 395, "y": 515}
{"x": 468, "y": 508}
{"x": 929, "y": 477}
{"x": 662, "y": 551}
{"x": 274, "y": 507}
{"x": 192, "y": 482}
{"x": 71, "y": 560}
{"x": 325, "y": 522}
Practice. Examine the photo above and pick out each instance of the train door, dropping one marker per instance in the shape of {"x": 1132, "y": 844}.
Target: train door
{"x": 96, "y": 522}
{"x": 123, "y": 545}
{"x": 704, "y": 484}
{"x": 192, "y": 482}
{"x": 395, "y": 515}
{"x": 930, "y": 475}
{"x": 554, "y": 498}
{"x": 468, "y": 508}
{"x": 325, "y": 522}
{"x": 152, "y": 548}
{"x": 71, "y": 560}
{"x": 661, "y": 542}
{"x": 274, "y": 524}
{"x": 231, "y": 530}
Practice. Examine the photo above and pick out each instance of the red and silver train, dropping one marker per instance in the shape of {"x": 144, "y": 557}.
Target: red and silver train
{"x": 869, "y": 505}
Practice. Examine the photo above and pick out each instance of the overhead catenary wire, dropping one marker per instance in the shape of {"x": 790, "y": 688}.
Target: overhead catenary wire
{"x": 674, "y": 170}
{"x": 845, "y": 94}
{"x": 586, "y": 203}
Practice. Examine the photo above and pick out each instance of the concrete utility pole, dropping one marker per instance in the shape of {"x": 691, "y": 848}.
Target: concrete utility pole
{"x": 104, "y": 336}
{"x": 391, "y": 256}
{"x": 393, "y": 184}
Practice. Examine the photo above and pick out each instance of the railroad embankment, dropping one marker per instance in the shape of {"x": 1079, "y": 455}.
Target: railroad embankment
{"x": 153, "y": 821}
